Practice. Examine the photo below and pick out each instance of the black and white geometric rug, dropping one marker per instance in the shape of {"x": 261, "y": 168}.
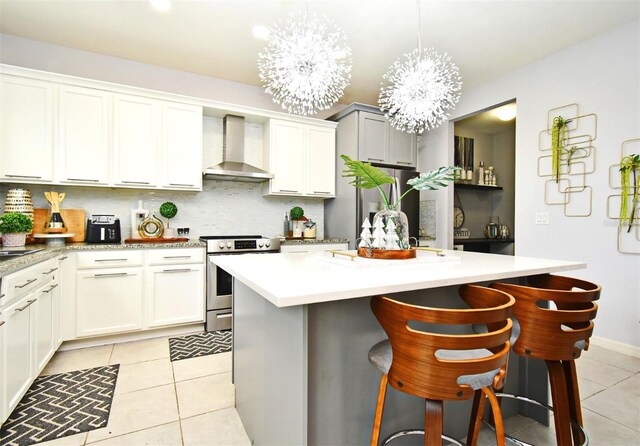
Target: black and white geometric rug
{"x": 201, "y": 344}
{"x": 60, "y": 405}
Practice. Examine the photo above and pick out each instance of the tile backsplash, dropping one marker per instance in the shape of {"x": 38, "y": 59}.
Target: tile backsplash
{"x": 223, "y": 207}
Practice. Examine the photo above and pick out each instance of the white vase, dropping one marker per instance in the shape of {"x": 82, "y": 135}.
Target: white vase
{"x": 14, "y": 239}
{"x": 169, "y": 233}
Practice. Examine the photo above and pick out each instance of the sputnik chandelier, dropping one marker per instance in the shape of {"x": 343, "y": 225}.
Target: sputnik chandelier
{"x": 306, "y": 64}
{"x": 422, "y": 87}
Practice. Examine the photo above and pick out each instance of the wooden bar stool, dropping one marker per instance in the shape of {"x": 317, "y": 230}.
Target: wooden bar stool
{"x": 437, "y": 366}
{"x": 558, "y": 336}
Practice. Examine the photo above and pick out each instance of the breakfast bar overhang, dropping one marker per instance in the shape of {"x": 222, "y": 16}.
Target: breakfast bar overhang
{"x": 302, "y": 328}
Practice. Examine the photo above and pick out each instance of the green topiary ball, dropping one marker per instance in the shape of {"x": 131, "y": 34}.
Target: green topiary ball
{"x": 168, "y": 209}
{"x": 15, "y": 223}
{"x": 296, "y": 213}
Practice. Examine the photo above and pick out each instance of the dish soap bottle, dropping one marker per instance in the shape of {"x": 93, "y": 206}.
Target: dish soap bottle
{"x": 137, "y": 215}
{"x": 285, "y": 226}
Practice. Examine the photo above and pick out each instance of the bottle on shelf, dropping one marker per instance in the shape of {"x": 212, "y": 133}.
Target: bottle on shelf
{"x": 137, "y": 215}
{"x": 481, "y": 173}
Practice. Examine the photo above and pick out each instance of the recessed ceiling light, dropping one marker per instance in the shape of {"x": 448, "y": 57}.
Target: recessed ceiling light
{"x": 260, "y": 32}
{"x": 161, "y": 5}
{"x": 506, "y": 112}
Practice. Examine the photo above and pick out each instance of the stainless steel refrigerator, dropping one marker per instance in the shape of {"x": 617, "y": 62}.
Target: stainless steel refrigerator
{"x": 344, "y": 214}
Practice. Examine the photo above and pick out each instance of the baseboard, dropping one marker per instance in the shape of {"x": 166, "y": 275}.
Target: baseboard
{"x": 133, "y": 336}
{"x": 616, "y": 346}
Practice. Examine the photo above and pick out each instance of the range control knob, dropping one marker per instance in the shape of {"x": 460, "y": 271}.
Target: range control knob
{"x": 260, "y": 244}
{"x": 229, "y": 245}
{"x": 221, "y": 245}
{"x": 267, "y": 243}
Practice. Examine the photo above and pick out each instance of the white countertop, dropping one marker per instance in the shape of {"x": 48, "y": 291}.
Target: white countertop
{"x": 298, "y": 279}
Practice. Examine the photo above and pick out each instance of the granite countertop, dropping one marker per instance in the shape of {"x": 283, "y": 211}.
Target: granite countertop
{"x": 14, "y": 264}
{"x": 312, "y": 241}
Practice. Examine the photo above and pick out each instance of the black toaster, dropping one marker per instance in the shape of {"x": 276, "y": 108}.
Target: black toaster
{"x": 103, "y": 229}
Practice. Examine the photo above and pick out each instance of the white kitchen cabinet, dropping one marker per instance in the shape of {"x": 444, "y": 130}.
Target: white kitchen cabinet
{"x": 42, "y": 317}
{"x": 108, "y": 301}
{"x": 18, "y": 333}
{"x": 26, "y": 129}
{"x": 3, "y": 371}
{"x": 300, "y": 248}
{"x": 83, "y": 136}
{"x": 136, "y": 141}
{"x": 175, "y": 295}
{"x": 67, "y": 295}
{"x": 181, "y": 146}
{"x": 320, "y": 163}
{"x": 301, "y": 158}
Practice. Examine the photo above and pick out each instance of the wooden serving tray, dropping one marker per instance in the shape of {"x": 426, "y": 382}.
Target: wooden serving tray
{"x": 157, "y": 240}
{"x": 387, "y": 254}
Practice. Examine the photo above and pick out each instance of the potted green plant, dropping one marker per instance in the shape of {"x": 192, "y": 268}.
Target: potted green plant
{"x": 168, "y": 210}
{"x": 297, "y": 221}
{"x": 14, "y": 227}
{"x": 390, "y": 225}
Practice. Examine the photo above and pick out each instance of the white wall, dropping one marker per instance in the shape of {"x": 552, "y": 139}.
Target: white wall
{"x": 602, "y": 75}
{"x": 223, "y": 207}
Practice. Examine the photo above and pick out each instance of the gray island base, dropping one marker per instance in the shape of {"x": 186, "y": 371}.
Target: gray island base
{"x": 300, "y": 368}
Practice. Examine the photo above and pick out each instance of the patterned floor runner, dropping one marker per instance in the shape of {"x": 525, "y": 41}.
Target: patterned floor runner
{"x": 60, "y": 405}
{"x": 200, "y": 344}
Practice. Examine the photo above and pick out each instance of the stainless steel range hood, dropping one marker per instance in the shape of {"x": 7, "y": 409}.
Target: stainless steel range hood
{"x": 233, "y": 167}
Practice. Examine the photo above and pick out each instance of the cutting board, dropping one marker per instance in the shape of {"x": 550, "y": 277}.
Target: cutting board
{"x": 157, "y": 240}
{"x": 73, "y": 220}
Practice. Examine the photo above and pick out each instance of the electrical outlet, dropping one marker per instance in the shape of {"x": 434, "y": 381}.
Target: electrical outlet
{"x": 542, "y": 218}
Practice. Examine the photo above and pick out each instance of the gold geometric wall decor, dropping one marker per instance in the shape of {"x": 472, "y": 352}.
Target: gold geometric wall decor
{"x": 626, "y": 209}
{"x": 568, "y": 157}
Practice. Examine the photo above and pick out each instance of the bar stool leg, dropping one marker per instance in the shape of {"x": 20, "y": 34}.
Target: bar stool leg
{"x": 575, "y": 409}
{"x": 433, "y": 421}
{"x": 475, "y": 420}
{"x": 377, "y": 419}
{"x": 497, "y": 416}
{"x": 560, "y": 403}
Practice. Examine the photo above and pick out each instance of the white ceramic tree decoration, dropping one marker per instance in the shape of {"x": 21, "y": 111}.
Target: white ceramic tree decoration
{"x": 365, "y": 235}
{"x": 378, "y": 234}
{"x": 391, "y": 238}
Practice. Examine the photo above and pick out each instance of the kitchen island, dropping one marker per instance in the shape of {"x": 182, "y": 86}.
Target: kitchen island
{"x": 303, "y": 327}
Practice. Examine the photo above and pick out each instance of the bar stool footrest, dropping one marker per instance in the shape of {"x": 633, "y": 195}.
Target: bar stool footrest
{"x": 402, "y": 433}
{"x": 535, "y": 403}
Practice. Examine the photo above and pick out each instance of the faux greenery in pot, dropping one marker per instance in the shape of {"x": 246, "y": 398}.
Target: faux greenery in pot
{"x": 168, "y": 210}
{"x": 14, "y": 227}
{"x": 297, "y": 221}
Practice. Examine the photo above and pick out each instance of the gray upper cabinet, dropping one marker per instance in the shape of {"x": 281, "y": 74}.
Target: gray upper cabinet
{"x": 364, "y": 132}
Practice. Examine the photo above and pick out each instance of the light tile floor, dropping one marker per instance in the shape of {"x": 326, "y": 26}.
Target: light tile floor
{"x": 159, "y": 402}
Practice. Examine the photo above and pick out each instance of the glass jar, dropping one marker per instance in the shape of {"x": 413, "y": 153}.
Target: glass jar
{"x": 390, "y": 229}
{"x": 492, "y": 230}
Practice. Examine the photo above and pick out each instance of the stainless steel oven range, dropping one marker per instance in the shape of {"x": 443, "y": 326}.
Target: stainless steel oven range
{"x": 219, "y": 282}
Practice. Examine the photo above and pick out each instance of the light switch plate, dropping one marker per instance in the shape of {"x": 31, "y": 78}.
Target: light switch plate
{"x": 542, "y": 218}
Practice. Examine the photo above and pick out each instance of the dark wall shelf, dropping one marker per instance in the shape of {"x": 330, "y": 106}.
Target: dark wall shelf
{"x": 476, "y": 186}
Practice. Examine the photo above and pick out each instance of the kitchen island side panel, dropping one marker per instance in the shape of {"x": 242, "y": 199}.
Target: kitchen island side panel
{"x": 270, "y": 368}
{"x": 343, "y": 384}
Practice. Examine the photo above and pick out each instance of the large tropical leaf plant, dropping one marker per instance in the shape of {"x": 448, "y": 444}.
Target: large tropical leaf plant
{"x": 367, "y": 176}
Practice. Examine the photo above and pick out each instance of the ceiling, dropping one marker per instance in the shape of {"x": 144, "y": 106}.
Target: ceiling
{"x": 485, "y": 38}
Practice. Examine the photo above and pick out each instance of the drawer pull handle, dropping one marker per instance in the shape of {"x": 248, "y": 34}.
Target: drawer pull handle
{"x": 89, "y": 180}
{"x": 135, "y": 182}
{"x": 23, "y": 176}
{"x": 289, "y": 191}
{"x": 1, "y": 296}
{"x": 181, "y": 184}
{"x": 64, "y": 257}
{"x": 50, "y": 289}
{"x": 181, "y": 270}
{"x": 29, "y": 302}
{"x": 224, "y": 316}
{"x": 374, "y": 159}
{"x": 320, "y": 192}
{"x": 26, "y": 283}
{"x": 111, "y": 275}
{"x": 1, "y": 323}
{"x": 50, "y": 271}
{"x": 110, "y": 260}
{"x": 176, "y": 257}
{"x": 408, "y": 163}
